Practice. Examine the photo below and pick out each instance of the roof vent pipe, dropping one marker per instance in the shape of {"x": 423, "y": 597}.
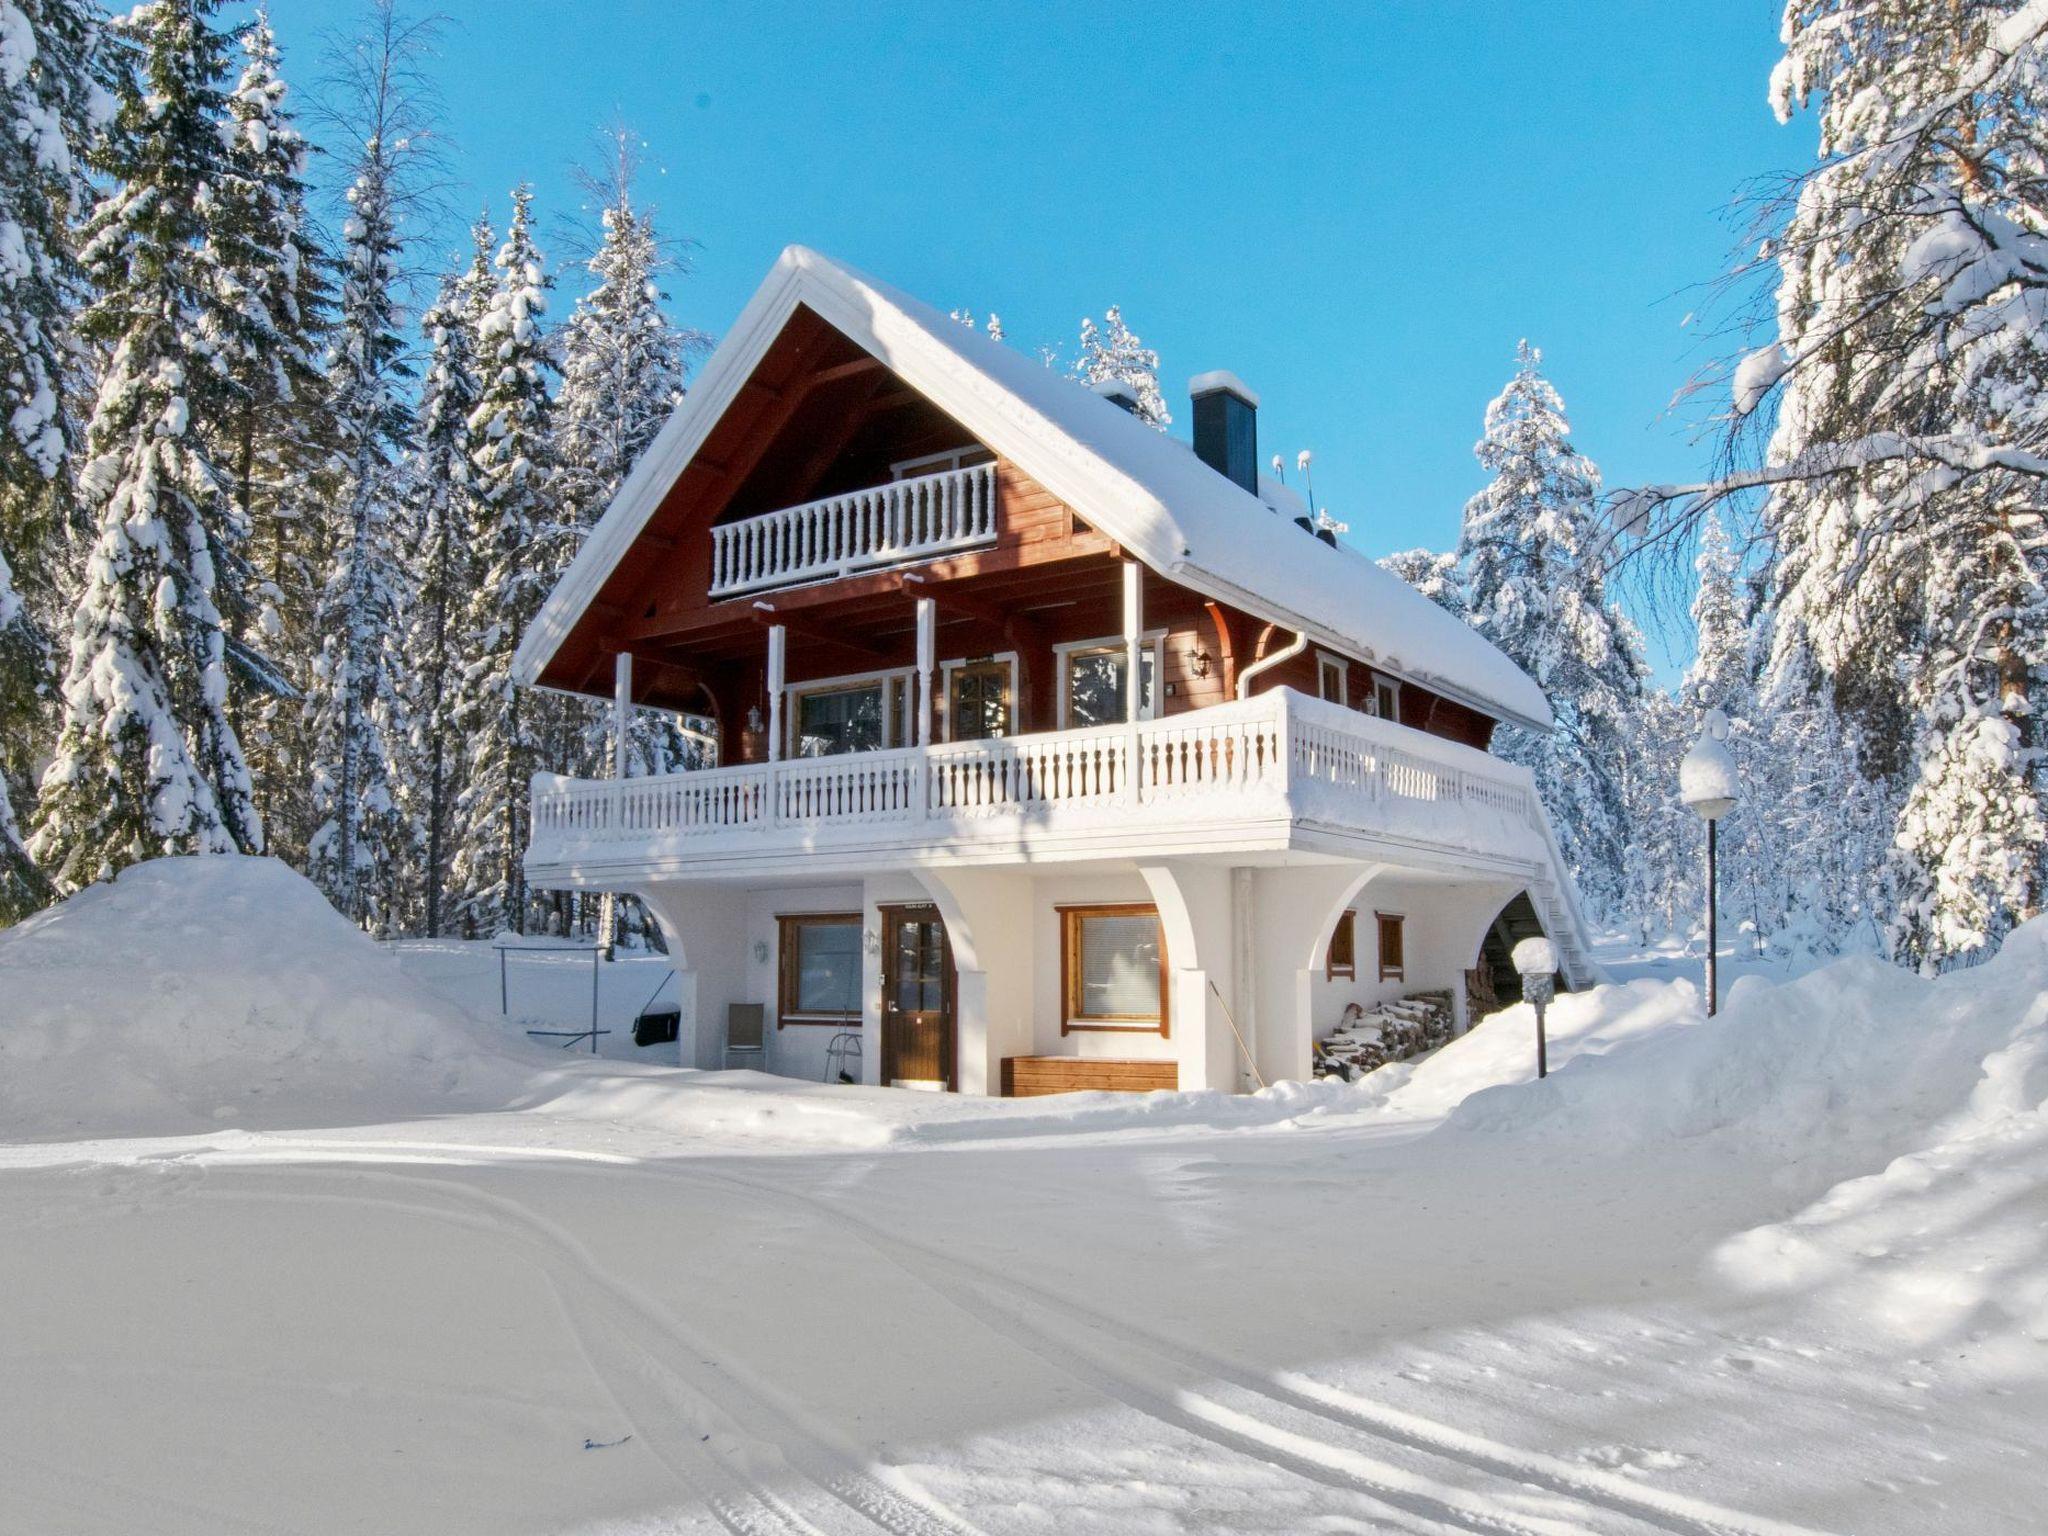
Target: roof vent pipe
{"x": 1117, "y": 392}
{"x": 1226, "y": 416}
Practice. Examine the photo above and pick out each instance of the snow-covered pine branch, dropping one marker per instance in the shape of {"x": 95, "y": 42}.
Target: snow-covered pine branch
{"x": 1112, "y": 353}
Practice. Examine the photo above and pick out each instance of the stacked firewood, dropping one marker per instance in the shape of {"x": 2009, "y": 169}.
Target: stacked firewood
{"x": 1388, "y": 1032}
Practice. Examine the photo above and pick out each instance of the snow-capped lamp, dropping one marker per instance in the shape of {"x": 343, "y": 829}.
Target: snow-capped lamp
{"x": 1710, "y": 786}
{"x": 1535, "y": 961}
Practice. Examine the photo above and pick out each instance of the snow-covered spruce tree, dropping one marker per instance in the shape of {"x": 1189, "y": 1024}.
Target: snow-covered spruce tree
{"x": 1435, "y": 576}
{"x": 504, "y": 732}
{"x": 355, "y": 707}
{"x": 1112, "y": 353}
{"x": 1907, "y": 461}
{"x": 623, "y": 359}
{"x": 442, "y": 523}
{"x": 272, "y": 439}
{"x": 22, "y": 886}
{"x": 147, "y": 760}
{"x": 56, "y": 63}
{"x": 623, "y": 364}
{"x": 1534, "y": 587}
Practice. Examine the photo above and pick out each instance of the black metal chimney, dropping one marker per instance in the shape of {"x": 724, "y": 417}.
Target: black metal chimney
{"x": 1227, "y": 426}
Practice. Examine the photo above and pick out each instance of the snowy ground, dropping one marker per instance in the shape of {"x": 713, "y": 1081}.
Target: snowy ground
{"x": 1788, "y": 1271}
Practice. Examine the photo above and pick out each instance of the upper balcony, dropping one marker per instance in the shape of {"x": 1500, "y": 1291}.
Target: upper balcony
{"x": 918, "y": 518}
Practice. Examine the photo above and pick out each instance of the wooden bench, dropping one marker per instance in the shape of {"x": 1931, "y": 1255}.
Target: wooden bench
{"x": 1027, "y": 1076}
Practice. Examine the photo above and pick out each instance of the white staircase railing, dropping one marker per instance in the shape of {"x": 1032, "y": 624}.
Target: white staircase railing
{"x": 914, "y": 519}
{"x": 1321, "y": 761}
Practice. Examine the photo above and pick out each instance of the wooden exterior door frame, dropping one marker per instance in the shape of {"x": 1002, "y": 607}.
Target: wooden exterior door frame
{"x": 893, "y": 917}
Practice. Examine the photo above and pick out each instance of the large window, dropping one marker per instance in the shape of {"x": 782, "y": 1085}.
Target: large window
{"x": 1091, "y": 677}
{"x": 848, "y": 715}
{"x": 1112, "y": 969}
{"x": 819, "y": 982}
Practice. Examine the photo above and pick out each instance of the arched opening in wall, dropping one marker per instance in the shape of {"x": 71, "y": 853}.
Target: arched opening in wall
{"x": 1492, "y": 984}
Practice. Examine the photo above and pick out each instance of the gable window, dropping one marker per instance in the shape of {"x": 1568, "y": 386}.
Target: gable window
{"x": 1341, "y": 962}
{"x": 933, "y": 463}
{"x": 847, "y": 715}
{"x": 980, "y": 698}
{"x": 1331, "y": 679}
{"x": 1112, "y": 968}
{"x": 819, "y": 980}
{"x": 1393, "y": 960}
{"x": 1091, "y": 674}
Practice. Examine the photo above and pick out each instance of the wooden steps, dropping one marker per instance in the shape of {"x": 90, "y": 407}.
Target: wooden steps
{"x": 1029, "y": 1076}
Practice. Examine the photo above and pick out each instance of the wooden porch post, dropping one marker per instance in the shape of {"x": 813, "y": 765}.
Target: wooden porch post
{"x": 927, "y": 655}
{"x": 622, "y": 710}
{"x": 1134, "y": 639}
{"x": 778, "y": 646}
{"x": 622, "y": 718}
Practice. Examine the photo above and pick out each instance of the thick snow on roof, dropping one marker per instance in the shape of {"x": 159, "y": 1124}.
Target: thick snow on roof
{"x": 1138, "y": 486}
{"x": 1222, "y": 378}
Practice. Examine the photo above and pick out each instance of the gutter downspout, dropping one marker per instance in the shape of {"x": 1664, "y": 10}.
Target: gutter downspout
{"x": 1287, "y": 652}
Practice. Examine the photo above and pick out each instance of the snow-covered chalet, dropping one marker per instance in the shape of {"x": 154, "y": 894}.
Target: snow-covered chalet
{"x": 1052, "y": 751}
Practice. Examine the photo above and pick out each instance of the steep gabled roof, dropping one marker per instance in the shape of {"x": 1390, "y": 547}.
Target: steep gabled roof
{"x": 1137, "y": 486}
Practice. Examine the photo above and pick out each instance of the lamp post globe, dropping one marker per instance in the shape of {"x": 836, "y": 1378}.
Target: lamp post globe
{"x": 1535, "y": 960}
{"x": 1710, "y": 786}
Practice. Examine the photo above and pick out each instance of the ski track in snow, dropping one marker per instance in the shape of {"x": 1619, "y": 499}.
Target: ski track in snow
{"x": 757, "y": 1462}
{"x": 765, "y": 1467}
{"x": 1290, "y": 1419}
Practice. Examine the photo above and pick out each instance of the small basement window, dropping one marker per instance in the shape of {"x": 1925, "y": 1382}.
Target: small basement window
{"x": 1112, "y": 969}
{"x": 1342, "y": 960}
{"x": 1393, "y": 959}
{"x": 819, "y": 981}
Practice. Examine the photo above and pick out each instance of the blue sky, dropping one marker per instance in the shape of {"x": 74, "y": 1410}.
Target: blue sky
{"x": 1358, "y": 208}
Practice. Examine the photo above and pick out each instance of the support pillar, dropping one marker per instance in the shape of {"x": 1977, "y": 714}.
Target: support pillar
{"x": 622, "y": 719}
{"x": 1134, "y": 640}
{"x": 927, "y": 657}
{"x": 778, "y": 650}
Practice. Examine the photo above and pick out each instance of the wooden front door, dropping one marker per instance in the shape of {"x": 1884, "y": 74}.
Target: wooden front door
{"x": 917, "y": 998}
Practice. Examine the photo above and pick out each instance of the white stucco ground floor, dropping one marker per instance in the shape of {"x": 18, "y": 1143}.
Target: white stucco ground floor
{"x": 1196, "y": 972}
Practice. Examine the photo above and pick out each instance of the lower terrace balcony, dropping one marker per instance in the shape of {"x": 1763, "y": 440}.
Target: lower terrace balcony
{"x": 1264, "y": 776}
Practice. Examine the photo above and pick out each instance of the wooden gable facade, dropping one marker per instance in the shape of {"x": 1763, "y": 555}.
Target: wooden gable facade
{"x": 819, "y": 417}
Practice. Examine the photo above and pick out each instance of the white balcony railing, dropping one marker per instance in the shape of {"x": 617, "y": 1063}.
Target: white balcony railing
{"x": 914, "y": 519}
{"x": 1278, "y": 755}
{"x": 1278, "y": 743}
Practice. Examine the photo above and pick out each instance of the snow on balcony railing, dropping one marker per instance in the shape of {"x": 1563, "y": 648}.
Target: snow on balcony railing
{"x": 1279, "y": 742}
{"x": 906, "y": 520}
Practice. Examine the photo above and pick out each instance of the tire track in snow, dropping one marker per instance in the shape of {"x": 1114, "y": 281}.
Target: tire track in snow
{"x": 740, "y": 1496}
{"x": 1079, "y": 1336}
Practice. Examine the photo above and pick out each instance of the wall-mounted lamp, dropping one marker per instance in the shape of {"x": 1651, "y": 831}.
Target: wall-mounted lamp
{"x": 1198, "y": 661}
{"x": 754, "y": 720}
{"x": 760, "y": 951}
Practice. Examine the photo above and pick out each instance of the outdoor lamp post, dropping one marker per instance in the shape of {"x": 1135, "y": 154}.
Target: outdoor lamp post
{"x": 1536, "y": 962}
{"x": 1708, "y": 783}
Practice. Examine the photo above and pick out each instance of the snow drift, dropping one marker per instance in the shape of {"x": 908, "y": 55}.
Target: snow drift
{"x": 1856, "y": 1059}
{"x": 1908, "y": 1119}
{"x": 194, "y": 993}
